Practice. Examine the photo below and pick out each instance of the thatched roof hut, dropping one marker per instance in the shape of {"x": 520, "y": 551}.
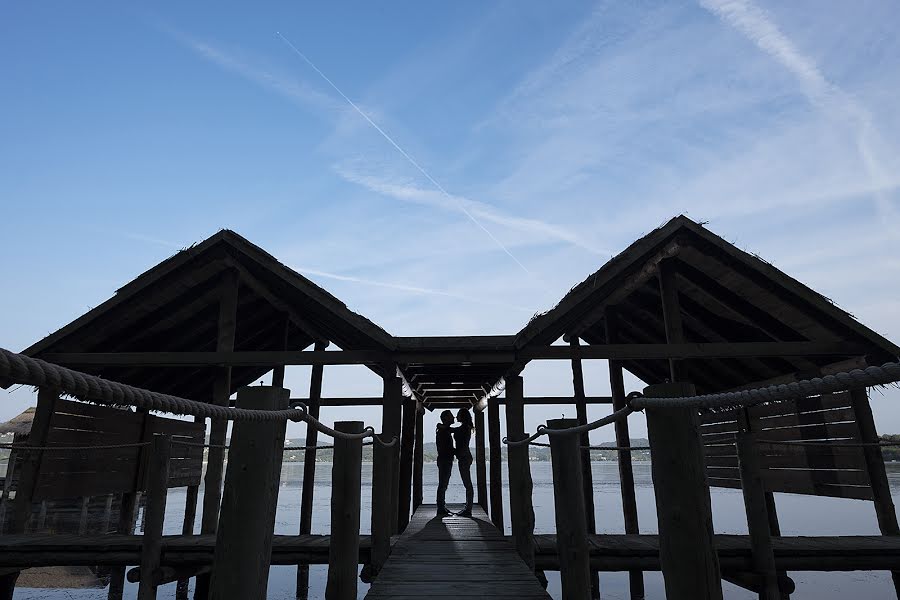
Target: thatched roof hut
{"x": 20, "y": 424}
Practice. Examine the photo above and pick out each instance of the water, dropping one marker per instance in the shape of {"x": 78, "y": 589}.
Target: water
{"x": 798, "y": 515}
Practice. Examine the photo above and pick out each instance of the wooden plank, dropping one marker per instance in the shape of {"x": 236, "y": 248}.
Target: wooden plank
{"x": 837, "y": 415}
{"x": 454, "y": 557}
{"x": 802, "y": 405}
{"x": 828, "y": 431}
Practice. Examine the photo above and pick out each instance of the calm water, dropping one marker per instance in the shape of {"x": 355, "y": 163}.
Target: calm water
{"x": 798, "y": 515}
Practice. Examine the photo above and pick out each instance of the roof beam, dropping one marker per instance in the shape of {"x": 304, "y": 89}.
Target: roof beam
{"x": 350, "y": 357}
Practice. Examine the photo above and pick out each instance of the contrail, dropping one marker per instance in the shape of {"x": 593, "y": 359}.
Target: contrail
{"x": 401, "y": 151}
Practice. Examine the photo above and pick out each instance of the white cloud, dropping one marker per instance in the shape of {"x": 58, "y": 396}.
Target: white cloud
{"x": 537, "y": 230}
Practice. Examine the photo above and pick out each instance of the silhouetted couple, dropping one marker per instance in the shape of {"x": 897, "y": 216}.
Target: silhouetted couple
{"x": 454, "y": 442}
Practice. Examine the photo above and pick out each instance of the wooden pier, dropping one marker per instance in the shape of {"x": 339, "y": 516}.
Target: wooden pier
{"x": 681, "y": 309}
{"x": 454, "y": 557}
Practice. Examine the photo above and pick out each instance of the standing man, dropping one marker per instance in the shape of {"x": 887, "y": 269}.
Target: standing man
{"x": 444, "y": 442}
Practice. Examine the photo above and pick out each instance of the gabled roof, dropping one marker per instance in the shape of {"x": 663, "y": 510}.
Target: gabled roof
{"x": 725, "y": 295}
{"x": 458, "y": 381}
{"x": 174, "y": 307}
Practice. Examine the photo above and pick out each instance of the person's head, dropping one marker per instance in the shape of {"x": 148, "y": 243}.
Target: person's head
{"x": 447, "y": 417}
{"x": 465, "y": 418}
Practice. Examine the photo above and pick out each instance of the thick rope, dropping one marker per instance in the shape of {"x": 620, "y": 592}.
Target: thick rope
{"x": 19, "y": 368}
{"x": 839, "y": 382}
{"x": 544, "y": 430}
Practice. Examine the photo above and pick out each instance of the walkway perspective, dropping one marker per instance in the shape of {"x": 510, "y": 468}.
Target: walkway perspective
{"x": 454, "y": 557}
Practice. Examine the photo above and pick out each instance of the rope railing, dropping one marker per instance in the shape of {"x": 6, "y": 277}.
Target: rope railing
{"x": 18, "y": 368}
{"x": 544, "y": 430}
{"x": 838, "y": 382}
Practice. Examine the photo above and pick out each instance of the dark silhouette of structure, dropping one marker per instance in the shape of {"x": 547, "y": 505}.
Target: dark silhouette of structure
{"x": 679, "y": 305}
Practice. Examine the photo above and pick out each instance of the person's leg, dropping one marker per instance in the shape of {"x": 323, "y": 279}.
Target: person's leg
{"x": 445, "y": 468}
{"x": 465, "y": 473}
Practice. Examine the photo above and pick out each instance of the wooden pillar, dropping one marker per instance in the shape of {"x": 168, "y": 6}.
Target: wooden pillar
{"x": 382, "y": 478}
{"x": 571, "y": 522}
{"x": 244, "y": 536}
{"x": 671, "y": 315}
{"x": 884, "y": 505}
{"x": 623, "y": 440}
{"x": 155, "y": 514}
{"x": 493, "y": 418}
{"x": 218, "y": 428}
{"x": 762, "y": 552}
{"x": 346, "y": 479}
{"x": 521, "y": 509}
{"x": 187, "y": 526}
{"x": 127, "y": 512}
{"x": 480, "y": 460}
{"x": 586, "y": 475}
{"x": 407, "y": 439}
{"x": 391, "y": 420}
{"x": 418, "y": 457}
{"x": 381, "y": 505}
{"x": 687, "y": 551}
{"x": 309, "y": 466}
{"x": 31, "y": 464}
{"x": 775, "y": 531}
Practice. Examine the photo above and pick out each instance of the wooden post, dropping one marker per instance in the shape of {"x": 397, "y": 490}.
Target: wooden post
{"x": 155, "y": 514}
{"x": 762, "y": 553}
{"x": 407, "y": 438}
{"x": 775, "y": 531}
{"x": 381, "y": 505}
{"x": 382, "y": 478}
{"x": 623, "y": 439}
{"x": 668, "y": 289}
{"x": 31, "y": 464}
{"x": 521, "y": 510}
{"x": 480, "y": 460}
{"x": 82, "y": 518}
{"x": 127, "y": 512}
{"x": 418, "y": 457}
{"x": 218, "y": 428}
{"x": 187, "y": 525}
{"x": 884, "y": 505}
{"x": 346, "y": 479}
{"x": 687, "y": 551}
{"x": 309, "y": 467}
{"x": 571, "y": 522}
{"x": 244, "y": 536}
{"x": 493, "y": 418}
{"x": 586, "y": 475}
{"x": 391, "y": 419}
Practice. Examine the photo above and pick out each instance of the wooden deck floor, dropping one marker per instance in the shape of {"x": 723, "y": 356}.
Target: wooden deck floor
{"x": 454, "y": 557}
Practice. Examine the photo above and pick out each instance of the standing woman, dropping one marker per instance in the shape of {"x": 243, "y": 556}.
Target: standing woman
{"x": 462, "y": 435}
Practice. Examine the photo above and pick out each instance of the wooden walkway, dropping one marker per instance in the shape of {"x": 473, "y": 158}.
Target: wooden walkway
{"x": 454, "y": 557}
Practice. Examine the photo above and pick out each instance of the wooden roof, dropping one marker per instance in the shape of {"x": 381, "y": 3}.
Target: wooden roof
{"x": 725, "y": 295}
{"x": 459, "y": 381}
{"x": 174, "y": 307}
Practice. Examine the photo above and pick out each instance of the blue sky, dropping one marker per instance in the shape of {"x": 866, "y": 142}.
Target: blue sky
{"x": 522, "y": 144}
